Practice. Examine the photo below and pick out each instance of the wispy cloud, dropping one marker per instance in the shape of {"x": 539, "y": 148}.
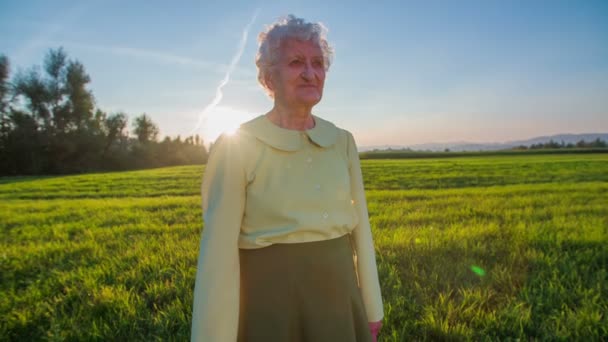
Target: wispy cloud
{"x": 158, "y": 56}
{"x": 50, "y": 30}
{"x": 142, "y": 54}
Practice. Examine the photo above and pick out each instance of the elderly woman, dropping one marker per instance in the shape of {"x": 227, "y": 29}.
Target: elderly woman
{"x": 287, "y": 251}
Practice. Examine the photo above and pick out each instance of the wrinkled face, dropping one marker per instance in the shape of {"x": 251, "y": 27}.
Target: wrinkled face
{"x": 298, "y": 77}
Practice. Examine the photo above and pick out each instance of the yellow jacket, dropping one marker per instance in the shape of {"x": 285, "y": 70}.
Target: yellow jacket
{"x": 265, "y": 185}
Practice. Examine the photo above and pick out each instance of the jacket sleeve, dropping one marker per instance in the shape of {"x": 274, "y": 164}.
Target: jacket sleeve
{"x": 363, "y": 241}
{"x": 216, "y": 292}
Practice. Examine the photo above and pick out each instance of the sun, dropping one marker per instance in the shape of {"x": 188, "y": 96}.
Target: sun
{"x": 223, "y": 119}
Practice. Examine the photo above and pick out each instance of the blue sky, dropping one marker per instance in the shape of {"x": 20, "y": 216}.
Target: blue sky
{"x": 405, "y": 72}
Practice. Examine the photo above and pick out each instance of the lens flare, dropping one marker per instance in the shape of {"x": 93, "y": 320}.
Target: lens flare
{"x": 478, "y": 270}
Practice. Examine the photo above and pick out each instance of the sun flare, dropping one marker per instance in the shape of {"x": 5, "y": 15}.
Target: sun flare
{"x": 223, "y": 120}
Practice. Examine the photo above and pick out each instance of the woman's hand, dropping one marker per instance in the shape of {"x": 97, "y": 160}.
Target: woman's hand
{"x": 374, "y": 328}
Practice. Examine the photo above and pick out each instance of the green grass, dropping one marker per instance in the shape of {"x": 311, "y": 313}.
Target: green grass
{"x": 491, "y": 248}
{"x": 484, "y": 171}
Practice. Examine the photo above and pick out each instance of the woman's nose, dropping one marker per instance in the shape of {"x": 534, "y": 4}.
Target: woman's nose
{"x": 308, "y": 72}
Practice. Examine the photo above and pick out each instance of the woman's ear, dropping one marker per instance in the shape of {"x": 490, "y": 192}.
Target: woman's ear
{"x": 268, "y": 80}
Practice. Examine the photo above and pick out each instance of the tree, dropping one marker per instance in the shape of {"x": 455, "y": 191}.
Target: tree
{"x": 5, "y": 122}
{"x": 598, "y": 143}
{"x": 23, "y": 152}
{"x": 145, "y": 130}
{"x": 49, "y": 124}
{"x": 4, "y": 85}
{"x": 59, "y": 100}
{"x": 80, "y": 99}
{"x": 552, "y": 144}
{"x": 31, "y": 86}
{"x": 116, "y": 130}
{"x": 69, "y": 133}
{"x": 54, "y": 65}
{"x": 5, "y": 126}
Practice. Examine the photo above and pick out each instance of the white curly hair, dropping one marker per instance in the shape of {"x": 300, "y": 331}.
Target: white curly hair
{"x": 289, "y": 27}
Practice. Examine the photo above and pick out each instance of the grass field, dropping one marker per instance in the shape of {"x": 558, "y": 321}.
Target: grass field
{"x": 488, "y": 248}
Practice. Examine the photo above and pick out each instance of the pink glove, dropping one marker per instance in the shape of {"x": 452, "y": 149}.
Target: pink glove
{"x": 374, "y": 328}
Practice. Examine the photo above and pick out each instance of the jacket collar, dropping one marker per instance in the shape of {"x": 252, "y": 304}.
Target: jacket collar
{"x": 324, "y": 134}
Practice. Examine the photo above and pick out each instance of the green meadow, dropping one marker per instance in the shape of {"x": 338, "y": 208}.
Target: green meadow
{"x": 471, "y": 248}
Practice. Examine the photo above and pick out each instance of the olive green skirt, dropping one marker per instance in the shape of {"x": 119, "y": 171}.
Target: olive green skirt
{"x": 301, "y": 292}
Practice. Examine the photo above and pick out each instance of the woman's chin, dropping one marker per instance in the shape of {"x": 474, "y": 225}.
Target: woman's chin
{"x": 309, "y": 99}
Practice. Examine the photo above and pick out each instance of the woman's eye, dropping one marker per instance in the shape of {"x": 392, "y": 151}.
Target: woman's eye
{"x": 295, "y": 62}
{"x": 317, "y": 64}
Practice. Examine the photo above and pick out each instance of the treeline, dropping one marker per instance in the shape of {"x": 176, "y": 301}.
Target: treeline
{"x": 49, "y": 124}
{"x": 551, "y": 144}
{"x": 551, "y": 147}
{"x": 410, "y": 154}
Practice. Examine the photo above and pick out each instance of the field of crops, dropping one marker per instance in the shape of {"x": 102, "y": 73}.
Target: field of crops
{"x": 494, "y": 247}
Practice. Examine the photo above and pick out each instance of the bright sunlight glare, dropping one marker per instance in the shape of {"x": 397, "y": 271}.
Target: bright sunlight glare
{"x": 221, "y": 119}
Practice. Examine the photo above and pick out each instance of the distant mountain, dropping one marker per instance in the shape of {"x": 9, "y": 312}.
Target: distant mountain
{"x": 468, "y": 146}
